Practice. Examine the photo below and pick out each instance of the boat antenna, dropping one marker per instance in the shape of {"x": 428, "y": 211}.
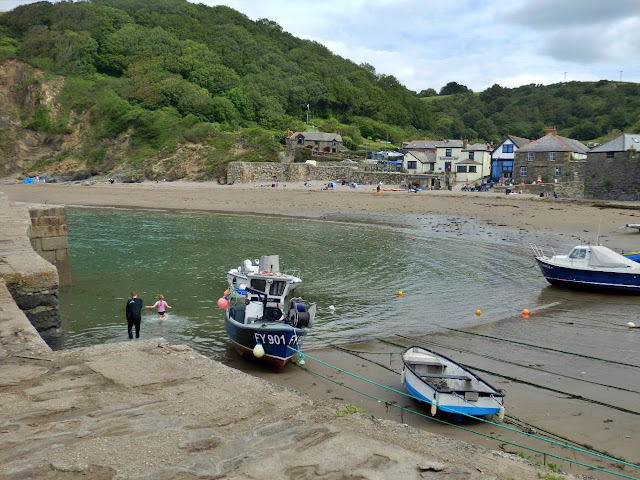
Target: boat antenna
{"x": 599, "y": 225}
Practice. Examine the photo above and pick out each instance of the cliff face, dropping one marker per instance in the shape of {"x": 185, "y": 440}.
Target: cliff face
{"x": 29, "y": 98}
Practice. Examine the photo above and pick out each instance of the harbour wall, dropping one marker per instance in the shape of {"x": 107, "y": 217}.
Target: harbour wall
{"x": 247, "y": 172}
{"x": 33, "y": 241}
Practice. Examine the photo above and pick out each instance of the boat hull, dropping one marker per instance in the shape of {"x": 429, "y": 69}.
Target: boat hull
{"x": 447, "y": 402}
{"x": 280, "y": 341}
{"x": 599, "y": 280}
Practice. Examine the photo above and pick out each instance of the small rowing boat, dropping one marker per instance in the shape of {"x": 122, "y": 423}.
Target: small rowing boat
{"x": 448, "y": 386}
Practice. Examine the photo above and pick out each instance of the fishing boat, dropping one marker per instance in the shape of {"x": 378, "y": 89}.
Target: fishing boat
{"x": 591, "y": 267}
{"x": 263, "y": 317}
{"x": 448, "y": 386}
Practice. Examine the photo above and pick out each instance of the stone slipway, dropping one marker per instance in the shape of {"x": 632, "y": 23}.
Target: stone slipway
{"x": 150, "y": 410}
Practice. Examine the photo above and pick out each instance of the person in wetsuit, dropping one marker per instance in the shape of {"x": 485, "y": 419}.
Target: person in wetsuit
{"x": 134, "y": 314}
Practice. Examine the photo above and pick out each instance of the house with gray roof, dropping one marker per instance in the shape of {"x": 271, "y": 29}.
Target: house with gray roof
{"x": 419, "y": 162}
{"x": 547, "y": 159}
{"x": 612, "y": 170}
{"x": 475, "y": 163}
{"x": 502, "y": 157}
{"x": 315, "y": 141}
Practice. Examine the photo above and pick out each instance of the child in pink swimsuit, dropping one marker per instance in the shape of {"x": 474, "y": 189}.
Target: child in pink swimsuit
{"x": 162, "y": 306}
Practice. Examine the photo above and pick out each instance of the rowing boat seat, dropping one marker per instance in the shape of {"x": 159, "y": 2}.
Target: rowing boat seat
{"x": 446, "y": 377}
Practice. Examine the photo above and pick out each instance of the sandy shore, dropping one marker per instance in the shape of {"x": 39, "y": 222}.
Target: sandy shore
{"x": 511, "y": 219}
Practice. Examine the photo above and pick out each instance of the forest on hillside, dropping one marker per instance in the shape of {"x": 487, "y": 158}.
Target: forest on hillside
{"x": 173, "y": 71}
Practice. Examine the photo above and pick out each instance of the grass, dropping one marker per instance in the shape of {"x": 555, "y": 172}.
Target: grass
{"x": 349, "y": 409}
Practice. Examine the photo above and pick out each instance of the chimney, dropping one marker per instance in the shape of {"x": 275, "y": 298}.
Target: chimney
{"x": 552, "y": 130}
{"x": 288, "y": 132}
{"x": 465, "y": 142}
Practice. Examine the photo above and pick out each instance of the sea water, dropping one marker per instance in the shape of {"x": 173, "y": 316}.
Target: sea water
{"x": 381, "y": 280}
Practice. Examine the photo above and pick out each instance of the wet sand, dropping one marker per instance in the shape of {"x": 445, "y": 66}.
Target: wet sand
{"x": 571, "y": 370}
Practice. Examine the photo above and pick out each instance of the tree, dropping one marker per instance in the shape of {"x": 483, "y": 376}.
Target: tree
{"x": 453, "y": 88}
{"x": 429, "y": 92}
{"x": 585, "y": 131}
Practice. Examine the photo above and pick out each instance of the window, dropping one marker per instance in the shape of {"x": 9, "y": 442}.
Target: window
{"x": 524, "y": 171}
{"x": 578, "y": 253}
{"x": 472, "y": 169}
{"x": 471, "y": 155}
{"x": 557, "y": 171}
{"x": 530, "y": 156}
{"x": 412, "y": 165}
{"x": 610, "y": 155}
{"x": 461, "y": 169}
{"x": 447, "y": 152}
{"x": 507, "y": 148}
{"x": 447, "y": 166}
{"x": 300, "y": 140}
{"x": 553, "y": 156}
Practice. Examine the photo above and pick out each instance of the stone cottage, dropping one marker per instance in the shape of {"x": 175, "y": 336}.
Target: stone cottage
{"x": 547, "y": 159}
{"x": 315, "y": 141}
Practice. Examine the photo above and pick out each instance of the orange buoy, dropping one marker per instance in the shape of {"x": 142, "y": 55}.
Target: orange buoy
{"x": 525, "y": 313}
{"x": 400, "y": 293}
{"x": 478, "y": 312}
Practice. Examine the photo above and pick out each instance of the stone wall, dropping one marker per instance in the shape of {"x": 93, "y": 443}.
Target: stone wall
{"x": 31, "y": 280}
{"x": 48, "y": 234}
{"x": 616, "y": 178}
{"x": 244, "y": 172}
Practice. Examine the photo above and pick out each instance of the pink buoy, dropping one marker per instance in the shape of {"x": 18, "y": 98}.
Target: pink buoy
{"x": 223, "y": 303}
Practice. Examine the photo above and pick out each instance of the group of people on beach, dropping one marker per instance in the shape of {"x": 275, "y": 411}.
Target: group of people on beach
{"x": 134, "y": 308}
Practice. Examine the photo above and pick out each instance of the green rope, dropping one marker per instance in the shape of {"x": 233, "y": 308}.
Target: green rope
{"x": 604, "y": 457}
{"x": 515, "y": 342}
{"x": 467, "y": 429}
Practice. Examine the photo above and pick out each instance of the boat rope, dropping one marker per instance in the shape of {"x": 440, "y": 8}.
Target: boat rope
{"x": 510, "y": 416}
{"x": 516, "y": 342}
{"x": 462, "y": 350}
{"x": 531, "y": 435}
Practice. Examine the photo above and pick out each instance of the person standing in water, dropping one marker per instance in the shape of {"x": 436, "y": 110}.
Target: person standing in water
{"x": 134, "y": 314}
{"x": 161, "y": 305}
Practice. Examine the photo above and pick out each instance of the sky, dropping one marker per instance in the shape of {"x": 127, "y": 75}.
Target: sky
{"x": 477, "y": 43}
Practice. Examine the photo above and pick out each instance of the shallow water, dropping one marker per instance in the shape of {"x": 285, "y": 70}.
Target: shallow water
{"x": 357, "y": 268}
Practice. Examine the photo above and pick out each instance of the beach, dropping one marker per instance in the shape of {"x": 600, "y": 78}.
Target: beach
{"x": 520, "y": 220}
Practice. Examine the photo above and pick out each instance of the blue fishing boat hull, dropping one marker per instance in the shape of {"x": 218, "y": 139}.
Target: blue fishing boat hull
{"x": 600, "y": 280}
{"x": 280, "y": 341}
{"x": 460, "y": 409}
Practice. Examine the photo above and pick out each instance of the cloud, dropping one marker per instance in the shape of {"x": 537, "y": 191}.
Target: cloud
{"x": 554, "y": 14}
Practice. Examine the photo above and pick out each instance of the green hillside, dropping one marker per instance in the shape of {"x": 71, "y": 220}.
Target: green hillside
{"x": 147, "y": 77}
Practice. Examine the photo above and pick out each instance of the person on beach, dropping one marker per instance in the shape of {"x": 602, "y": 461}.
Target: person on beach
{"x": 134, "y": 314}
{"x": 161, "y": 305}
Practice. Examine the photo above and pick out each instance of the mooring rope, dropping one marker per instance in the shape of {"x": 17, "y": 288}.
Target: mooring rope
{"x": 385, "y": 387}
